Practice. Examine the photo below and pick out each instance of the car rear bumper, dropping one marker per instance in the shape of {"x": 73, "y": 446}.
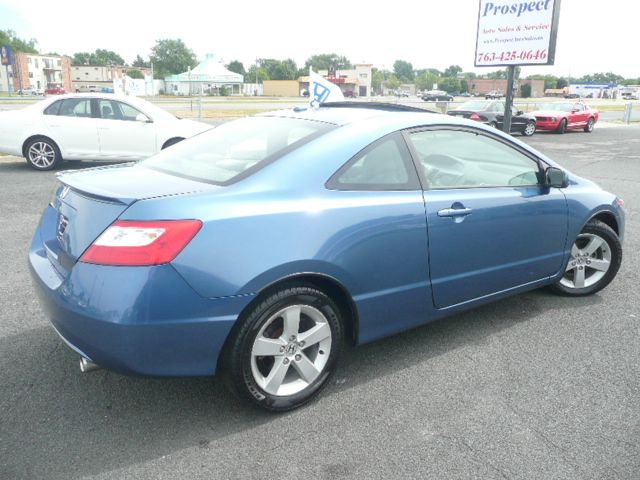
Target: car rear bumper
{"x": 136, "y": 320}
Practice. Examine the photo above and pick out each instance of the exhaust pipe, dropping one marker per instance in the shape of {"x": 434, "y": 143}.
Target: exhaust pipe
{"x": 87, "y": 365}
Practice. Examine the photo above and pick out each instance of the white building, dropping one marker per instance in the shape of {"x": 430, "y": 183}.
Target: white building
{"x": 210, "y": 76}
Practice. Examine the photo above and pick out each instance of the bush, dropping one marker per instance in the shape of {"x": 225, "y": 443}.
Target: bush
{"x": 224, "y": 91}
{"x": 526, "y": 90}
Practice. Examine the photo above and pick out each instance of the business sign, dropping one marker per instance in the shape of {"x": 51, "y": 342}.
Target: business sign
{"x": 6, "y": 55}
{"x": 517, "y": 33}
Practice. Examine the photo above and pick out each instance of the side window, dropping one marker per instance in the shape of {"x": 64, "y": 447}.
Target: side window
{"x": 54, "y": 108}
{"x": 460, "y": 159}
{"x": 384, "y": 165}
{"x": 127, "y": 111}
{"x": 75, "y": 107}
{"x": 109, "y": 110}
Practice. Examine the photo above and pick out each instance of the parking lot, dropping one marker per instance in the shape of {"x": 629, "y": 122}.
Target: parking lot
{"x": 532, "y": 387}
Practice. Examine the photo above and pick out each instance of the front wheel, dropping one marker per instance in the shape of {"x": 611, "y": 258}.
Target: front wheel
{"x": 563, "y": 126}
{"x": 529, "y": 129}
{"x": 43, "y": 154}
{"x": 588, "y": 128}
{"x": 595, "y": 259}
{"x": 285, "y": 349}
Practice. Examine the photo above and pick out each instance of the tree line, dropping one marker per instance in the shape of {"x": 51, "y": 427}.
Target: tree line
{"x": 172, "y": 56}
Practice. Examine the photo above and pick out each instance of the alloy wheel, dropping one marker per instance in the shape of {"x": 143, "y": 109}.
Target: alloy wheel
{"x": 291, "y": 350}
{"x": 589, "y": 263}
{"x": 41, "y": 155}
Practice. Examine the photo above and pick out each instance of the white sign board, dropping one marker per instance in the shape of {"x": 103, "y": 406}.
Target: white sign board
{"x": 517, "y": 33}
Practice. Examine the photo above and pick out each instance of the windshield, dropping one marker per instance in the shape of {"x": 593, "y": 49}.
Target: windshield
{"x": 235, "y": 149}
{"x": 561, "y": 107}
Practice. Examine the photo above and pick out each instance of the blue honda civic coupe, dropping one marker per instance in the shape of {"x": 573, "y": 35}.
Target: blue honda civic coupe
{"x": 257, "y": 249}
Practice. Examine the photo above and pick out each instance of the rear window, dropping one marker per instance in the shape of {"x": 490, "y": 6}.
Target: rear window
{"x": 236, "y": 149}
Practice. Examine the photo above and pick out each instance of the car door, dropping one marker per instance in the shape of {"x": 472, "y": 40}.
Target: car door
{"x": 492, "y": 225}
{"x": 122, "y": 133}
{"x": 73, "y": 128}
{"x": 579, "y": 116}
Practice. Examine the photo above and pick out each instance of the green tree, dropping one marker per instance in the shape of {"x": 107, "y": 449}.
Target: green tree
{"x": 404, "y": 71}
{"x": 452, "y": 71}
{"x": 140, "y": 62}
{"x": 81, "y": 58}
{"x": 392, "y": 82}
{"x": 135, "y": 74}
{"x": 107, "y": 57}
{"x": 327, "y": 61}
{"x": 236, "y": 66}
{"x": 525, "y": 91}
{"x": 426, "y": 80}
{"x": 261, "y": 76}
{"x": 562, "y": 83}
{"x": 449, "y": 84}
{"x": 279, "y": 69}
{"x": 9, "y": 37}
{"x": 376, "y": 80}
{"x": 170, "y": 57}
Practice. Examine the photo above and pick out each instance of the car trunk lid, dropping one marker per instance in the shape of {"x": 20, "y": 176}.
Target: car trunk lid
{"x": 87, "y": 202}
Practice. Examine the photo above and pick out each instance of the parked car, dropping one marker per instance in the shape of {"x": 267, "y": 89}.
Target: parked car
{"x": 437, "y": 96}
{"x": 493, "y": 95}
{"x": 402, "y": 93}
{"x": 31, "y": 91}
{"x": 88, "y": 89}
{"x": 256, "y": 249}
{"x": 90, "y": 127}
{"x": 563, "y": 116}
{"x": 465, "y": 94}
{"x": 55, "y": 90}
{"x": 491, "y": 112}
{"x": 572, "y": 95}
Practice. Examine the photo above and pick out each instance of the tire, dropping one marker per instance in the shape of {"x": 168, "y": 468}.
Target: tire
{"x": 289, "y": 372}
{"x": 562, "y": 127}
{"x": 529, "y": 129}
{"x": 42, "y": 154}
{"x": 594, "y": 262}
{"x": 171, "y": 141}
{"x": 588, "y": 128}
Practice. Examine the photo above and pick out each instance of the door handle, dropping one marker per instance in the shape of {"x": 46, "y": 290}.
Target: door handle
{"x": 454, "y": 212}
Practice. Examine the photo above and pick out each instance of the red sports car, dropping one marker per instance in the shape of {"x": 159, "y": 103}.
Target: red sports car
{"x": 560, "y": 117}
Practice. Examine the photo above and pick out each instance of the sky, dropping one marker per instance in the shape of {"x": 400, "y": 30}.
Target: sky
{"x": 593, "y": 36}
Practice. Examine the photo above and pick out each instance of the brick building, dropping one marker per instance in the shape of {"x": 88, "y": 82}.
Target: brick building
{"x": 37, "y": 71}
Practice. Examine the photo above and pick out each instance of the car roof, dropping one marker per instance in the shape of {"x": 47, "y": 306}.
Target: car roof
{"x": 344, "y": 113}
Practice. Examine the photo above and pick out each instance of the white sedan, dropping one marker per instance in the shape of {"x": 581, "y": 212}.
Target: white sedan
{"x": 91, "y": 127}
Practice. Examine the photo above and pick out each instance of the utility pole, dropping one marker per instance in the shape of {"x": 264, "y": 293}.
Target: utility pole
{"x": 506, "y": 123}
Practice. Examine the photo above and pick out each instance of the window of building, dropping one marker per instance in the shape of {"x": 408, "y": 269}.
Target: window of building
{"x": 364, "y": 75}
{"x": 30, "y": 74}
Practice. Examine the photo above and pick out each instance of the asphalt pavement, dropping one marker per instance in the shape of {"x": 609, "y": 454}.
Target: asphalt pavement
{"x": 533, "y": 387}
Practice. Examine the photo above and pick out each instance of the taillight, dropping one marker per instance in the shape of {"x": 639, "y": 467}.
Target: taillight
{"x": 475, "y": 116}
{"x": 137, "y": 243}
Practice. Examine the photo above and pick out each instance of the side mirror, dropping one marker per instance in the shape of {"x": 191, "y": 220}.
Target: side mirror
{"x": 141, "y": 117}
{"x": 556, "y": 178}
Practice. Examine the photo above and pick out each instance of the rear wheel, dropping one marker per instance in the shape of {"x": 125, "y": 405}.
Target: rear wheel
{"x": 563, "y": 126}
{"x": 42, "y": 154}
{"x": 595, "y": 259}
{"x": 285, "y": 350}
{"x": 529, "y": 129}
{"x": 589, "y": 126}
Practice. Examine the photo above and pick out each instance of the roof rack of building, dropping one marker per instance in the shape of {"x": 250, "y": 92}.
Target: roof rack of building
{"x": 390, "y": 107}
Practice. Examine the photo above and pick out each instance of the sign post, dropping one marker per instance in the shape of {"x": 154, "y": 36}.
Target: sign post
{"x": 515, "y": 33}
